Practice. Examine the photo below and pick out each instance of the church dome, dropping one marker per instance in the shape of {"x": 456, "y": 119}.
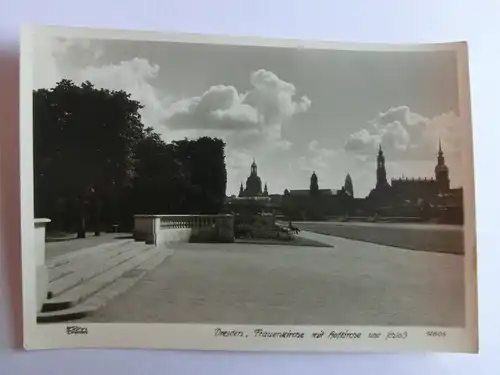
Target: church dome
{"x": 253, "y": 178}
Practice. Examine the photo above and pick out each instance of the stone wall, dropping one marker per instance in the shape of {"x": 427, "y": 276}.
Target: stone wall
{"x": 42, "y": 278}
{"x": 164, "y": 229}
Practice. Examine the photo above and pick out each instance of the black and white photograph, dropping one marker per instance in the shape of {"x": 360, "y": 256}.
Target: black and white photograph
{"x": 272, "y": 194}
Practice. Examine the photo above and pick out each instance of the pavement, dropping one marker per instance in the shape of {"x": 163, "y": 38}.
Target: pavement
{"x": 351, "y": 283}
{"x": 92, "y": 272}
{"x": 60, "y": 245}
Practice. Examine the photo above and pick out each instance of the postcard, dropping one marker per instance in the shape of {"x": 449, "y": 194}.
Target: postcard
{"x": 185, "y": 191}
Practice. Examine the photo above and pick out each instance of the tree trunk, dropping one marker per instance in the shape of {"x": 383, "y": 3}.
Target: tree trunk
{"x": 97, "y": 229}
{"x": 82, "y": 225}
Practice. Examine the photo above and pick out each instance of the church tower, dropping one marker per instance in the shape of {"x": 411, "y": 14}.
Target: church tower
{"x": 442, "y": 173}
{"x": 381, "y": 173}
{"x": 253, "y": 186}
{"x": 314, "y": 187}
{"x": 253, "y": 169}
{"x": 242, "y": 192}
{"x": 266, "y": 193}
{"x": 348, "y": 187}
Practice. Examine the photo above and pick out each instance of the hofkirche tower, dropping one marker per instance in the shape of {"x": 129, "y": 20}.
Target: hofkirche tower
{"x": 381, "y": 172}
{"x": 441, "y": 172}
{"x": 409, "y": 189}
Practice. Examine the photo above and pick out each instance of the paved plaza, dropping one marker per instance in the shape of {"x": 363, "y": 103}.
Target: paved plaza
{"x": 351, "y": 283}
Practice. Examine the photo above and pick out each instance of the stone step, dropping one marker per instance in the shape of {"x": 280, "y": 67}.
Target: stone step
{"x": 73, "y": 255}
{"x": 76, "y": 265}
{"x": 90, "y": 298}
{"x": 85, "y": 289}
{"x": 91, "y": 268}
{"x": 50, "y": 306}
{"x": 99, "y": 299}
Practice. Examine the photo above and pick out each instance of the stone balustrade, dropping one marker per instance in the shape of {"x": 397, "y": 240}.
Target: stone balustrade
{"x": 161, "y": 229}
{"x": 42, "y": 278}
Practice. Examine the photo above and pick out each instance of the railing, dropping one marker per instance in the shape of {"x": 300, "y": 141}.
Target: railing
{"x": 189, "y": 221}
{"x": 157, "y": 229}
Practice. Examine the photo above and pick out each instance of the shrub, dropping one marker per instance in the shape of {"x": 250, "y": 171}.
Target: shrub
{"x": 243, "y": 230}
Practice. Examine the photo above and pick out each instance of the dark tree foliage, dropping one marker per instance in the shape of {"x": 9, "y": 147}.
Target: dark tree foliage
{"x": 204, "y": 169}
{"x": 96, "y": 164}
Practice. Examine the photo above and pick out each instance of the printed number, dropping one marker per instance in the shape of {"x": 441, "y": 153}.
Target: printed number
{"x": 436, "y": 333}
{"x": 76, "y": 330}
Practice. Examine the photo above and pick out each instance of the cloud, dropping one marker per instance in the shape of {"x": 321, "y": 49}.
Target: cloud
{"x": 251, "y": 123}
{"x": 406, "y": 135}
{"x": 133, "y": 76}
{"x": 274, "y": 98}
{"x": 318, "y": 158}
{"x": 258, "y": 115}
{"x": 80, "y": 60}
{"x": 53, "y": 57}
{"x": 220, "y": 108}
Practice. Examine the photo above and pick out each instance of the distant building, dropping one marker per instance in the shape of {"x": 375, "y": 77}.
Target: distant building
{"x": 307, "y": 192}
{"x": 253, "y": 187}
{"x": 252, "y": 198}
{"x": 405, "y": 197}
{"x": 411, "y": 189}
{"x": 318, "y": 204}
{"x": 419, "y": 198}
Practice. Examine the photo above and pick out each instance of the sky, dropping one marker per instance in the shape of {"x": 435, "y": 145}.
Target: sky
{"x": 294, "y": 111}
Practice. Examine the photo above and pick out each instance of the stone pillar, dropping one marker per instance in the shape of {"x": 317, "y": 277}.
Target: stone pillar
{"x": 225, "y": 228}
{"x": 146, "y": 228}
{"x": 42, "y": 276}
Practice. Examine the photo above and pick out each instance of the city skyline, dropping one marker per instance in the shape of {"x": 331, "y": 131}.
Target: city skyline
{"x": 305, "y": 186}
{"x": 291, "y": 118}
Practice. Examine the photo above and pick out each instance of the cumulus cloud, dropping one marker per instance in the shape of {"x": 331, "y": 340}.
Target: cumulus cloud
{"x": 274, "y": 98}
{"x": 406, "y": 134}
{"x": 133, "y": 76}
{"x": 317, "y": 159}
{"x": 220, "y": 107}
{"x": 262, "y": 111}
{"x": 54, "y": 58}
{"x": 79, "y": 60}
{"x": 251, "y": 123}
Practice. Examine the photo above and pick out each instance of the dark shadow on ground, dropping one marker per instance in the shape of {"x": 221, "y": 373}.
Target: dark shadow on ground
{"x": 61, "y": 237}
{"x": 125, "y": 237}
{"x": 49, "y": 240}
{"x": 296, "y": 241}
{"x": 63, "y": 244}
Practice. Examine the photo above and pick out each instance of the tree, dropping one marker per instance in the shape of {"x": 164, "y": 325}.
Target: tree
{"x": 160, "y": 181}
{"x": 203, "y": 165}
{"x": 84, "y": 143}
{"x": 96, "y": 163}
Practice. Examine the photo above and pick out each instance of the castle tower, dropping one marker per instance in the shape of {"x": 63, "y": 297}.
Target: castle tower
{"x": 314, "y": 187}
{"x": 381, "y": 172}
{"x": 442, "y": 172}
{"x": 348, "y": 187}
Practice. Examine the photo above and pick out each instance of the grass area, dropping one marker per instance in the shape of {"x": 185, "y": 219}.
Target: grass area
{"x": 439, "y": 241}
{"x": 296, "y": 241}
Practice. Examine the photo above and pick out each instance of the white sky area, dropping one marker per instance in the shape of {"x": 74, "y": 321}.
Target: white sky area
{"x": 293, "y": 111}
